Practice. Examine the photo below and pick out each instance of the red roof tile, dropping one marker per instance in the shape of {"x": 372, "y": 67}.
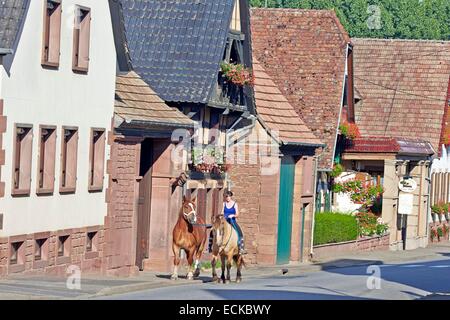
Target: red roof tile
{"x": 403, "y": 85}
{"x": 304, "y": 52}
{"x": 277, "y": 113}
{"x": 389, "y": 145}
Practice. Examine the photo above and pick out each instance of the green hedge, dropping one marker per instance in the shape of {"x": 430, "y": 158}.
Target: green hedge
{"x": 334, "y": 227}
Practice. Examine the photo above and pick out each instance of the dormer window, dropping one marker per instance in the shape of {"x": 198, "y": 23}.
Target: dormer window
{"x": 52, "y": 33}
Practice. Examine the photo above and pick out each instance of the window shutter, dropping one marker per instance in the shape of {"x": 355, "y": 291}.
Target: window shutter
{"x": 55, "y": 36}
{"x": 84, "y": 42}
{"x": 25, "y": 161}
{"x": 71, "y": 166}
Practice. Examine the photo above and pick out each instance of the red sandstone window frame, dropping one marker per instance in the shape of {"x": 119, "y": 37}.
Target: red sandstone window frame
{"x": 46, "y": 160}
{"x": 69, "y": 158}
{"x": 81, "y": 39}
{"x": 41, "y": 243}
{"x": 97, "y": 159}
{"x": 51, "y": 43}
{"x": 22, "y": 159}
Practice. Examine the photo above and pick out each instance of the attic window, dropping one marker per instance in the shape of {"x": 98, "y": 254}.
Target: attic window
{"x": 52, "y": 33}
{"x": 81, "y": 39}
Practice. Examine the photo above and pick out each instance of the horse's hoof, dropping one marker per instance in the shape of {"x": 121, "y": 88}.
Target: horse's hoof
{"x": 174, "y": 277}
{"x": 227, "y": 281}
{"x": 215, "y": 279}
{"x": 190, "y": 276}
{"x": 238, "y": 280}
{"x": 196, "y": 273}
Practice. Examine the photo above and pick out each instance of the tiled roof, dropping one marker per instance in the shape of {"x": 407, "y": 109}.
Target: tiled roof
{"x": 403, "y": 85}
{"x": 390, "y": 145}
{"x": 177, "y": 45}
{"x": 12, "y": 13}
{"x": 137, "y": 102}
{"x": 304, "y": 52}
{"x": 276, "y": 111}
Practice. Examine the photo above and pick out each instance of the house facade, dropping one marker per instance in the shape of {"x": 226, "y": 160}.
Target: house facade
{"x": 57, "y": 80}
{"x": 181, "y": 63}
{"x": 309, "y": 56}
{"x": 275, "y": 191}
{"x": 400, "y": 110}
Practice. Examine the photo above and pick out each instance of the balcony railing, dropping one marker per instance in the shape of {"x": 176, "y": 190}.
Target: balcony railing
{"x": 228, "y": 93}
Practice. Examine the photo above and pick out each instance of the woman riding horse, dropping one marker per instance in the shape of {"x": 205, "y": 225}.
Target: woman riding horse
{"x": 230, "y": 213}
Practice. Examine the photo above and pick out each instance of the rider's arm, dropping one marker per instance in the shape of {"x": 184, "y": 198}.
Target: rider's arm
{"x": 237, "y": 210}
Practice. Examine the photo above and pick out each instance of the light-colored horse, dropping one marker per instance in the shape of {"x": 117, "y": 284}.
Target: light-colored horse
{"x": 189, "y": 234}
{"x": 225, "y": 246}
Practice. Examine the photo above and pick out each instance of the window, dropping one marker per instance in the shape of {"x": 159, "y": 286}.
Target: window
{"x": 69, "y": 153}
{"x": 16, "y": 256}
{"x": 39, "y": 250}
{"x": 52, "y": 33}
{"x": 63, "y": 243}
{"x": 46, "y": 164}
{"x": 91, "y": 241}
{"x": 81, "y": 39}
{"x": 97, "y": 159}
{"x": 22, "y": 159}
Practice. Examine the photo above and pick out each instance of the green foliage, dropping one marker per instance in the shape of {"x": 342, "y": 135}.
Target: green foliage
{"x": 370, "y": 225}
{"x": 404, "y": 19}
{"x": 334, "y": 227}
{"x": 360, "y": 192}
{"x": 337, "y": 170}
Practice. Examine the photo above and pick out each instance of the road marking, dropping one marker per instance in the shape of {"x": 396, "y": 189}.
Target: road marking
{"x": 413, "y": 266}
{"x": 441, "y": 266}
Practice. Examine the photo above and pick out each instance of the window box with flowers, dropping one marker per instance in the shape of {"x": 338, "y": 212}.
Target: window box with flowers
{"x": 207, "y": 163}
{"x": 238, "y": 74}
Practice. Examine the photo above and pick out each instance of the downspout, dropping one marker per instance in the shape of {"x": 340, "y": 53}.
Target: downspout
{"x": 311, "y": 251}
{"x": 342, "y": 103}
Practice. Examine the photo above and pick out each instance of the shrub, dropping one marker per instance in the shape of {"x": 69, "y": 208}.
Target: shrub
{"x": 334, "y": 227}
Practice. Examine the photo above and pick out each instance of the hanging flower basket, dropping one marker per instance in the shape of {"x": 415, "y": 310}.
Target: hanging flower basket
{"x": 238, "y": 74}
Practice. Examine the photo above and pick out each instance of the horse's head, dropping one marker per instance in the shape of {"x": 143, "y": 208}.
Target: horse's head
{"x": 189, "y": 210}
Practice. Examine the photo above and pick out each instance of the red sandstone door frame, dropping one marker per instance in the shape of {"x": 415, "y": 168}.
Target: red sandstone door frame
{"x": 144, "y": 203}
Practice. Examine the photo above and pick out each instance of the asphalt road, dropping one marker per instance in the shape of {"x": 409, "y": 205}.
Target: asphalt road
{"x": 406, "y": 281}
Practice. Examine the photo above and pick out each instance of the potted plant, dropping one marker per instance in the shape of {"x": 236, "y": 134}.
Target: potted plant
{"x": 238, "y": 74}
{"x": 436, "y": 209}
{"x": 434, "y": 234}
{"x": 349, "y": 130}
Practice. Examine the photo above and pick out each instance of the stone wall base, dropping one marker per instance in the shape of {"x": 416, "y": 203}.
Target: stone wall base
{"x": 360, "y": 245}
{"x": 76, "y": 256}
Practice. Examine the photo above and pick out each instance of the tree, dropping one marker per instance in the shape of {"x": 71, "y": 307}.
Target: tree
{"x": 404, "y": 19}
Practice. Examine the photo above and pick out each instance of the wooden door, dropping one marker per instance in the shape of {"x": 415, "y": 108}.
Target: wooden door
{"x": 286, "y": 197}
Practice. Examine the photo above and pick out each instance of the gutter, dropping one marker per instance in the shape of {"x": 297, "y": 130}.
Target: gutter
{"x": 304, "y": 144}
{"x": 4, "y": 51}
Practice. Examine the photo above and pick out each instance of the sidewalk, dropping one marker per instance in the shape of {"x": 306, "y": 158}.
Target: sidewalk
{"x": 44, "y": 287}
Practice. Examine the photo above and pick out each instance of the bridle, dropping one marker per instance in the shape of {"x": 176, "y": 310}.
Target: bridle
{"x": 192, "y": 212}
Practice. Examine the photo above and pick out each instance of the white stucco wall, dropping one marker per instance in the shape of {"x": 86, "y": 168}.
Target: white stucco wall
{"x": 60, "y": 97}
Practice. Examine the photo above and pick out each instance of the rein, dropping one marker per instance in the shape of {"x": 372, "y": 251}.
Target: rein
{"x": 208, "y": 226}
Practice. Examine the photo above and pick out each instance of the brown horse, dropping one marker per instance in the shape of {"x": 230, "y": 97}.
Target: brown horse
{"x": 225, "y": 245}
{"x": 189, "y": 234}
